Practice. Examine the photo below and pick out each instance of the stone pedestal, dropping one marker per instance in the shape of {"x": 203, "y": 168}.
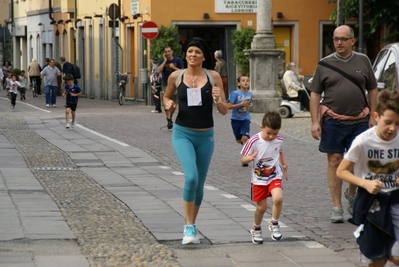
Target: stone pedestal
{"x": 263, "y": 77}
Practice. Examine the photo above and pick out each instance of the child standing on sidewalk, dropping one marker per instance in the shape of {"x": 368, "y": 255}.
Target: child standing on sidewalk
{"x": 265, "y": 149}
{"x": 13, "y": 85}
{"x": 23, "y": 80}
{"x": 72, "y": 93}
{"x": 240, "y": 101}
{"x": 372, "y": 163}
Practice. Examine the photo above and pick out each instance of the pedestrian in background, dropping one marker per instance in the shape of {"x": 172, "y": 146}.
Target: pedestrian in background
{"x": 193, "y": 135}
{"x": 294, "y": 84}
{"x": 343, "y": 77}
{"x": 221, "y": 68}
{"x": 34, "y": 74}
{"x": 71, "y": 93}
{"x": 240, "y": 101}
{"x": 371, "y": 165}
{"x": 156, "y": 81}
{"x": 265, "y": 150}
{"x": 24, "y": 82}
{"x": 7, "y": 69}
{"x": 166, "y": 67}
{"x": 51, "y": 72}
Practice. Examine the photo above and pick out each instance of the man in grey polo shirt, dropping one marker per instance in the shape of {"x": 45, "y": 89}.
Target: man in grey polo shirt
{"x": 51, "y": 72}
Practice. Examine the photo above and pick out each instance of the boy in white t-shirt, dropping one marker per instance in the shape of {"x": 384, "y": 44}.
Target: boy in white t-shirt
{"x": 265, "y": 149}
{"x": 372, "y": 163}
{"x": 13, "y": 85}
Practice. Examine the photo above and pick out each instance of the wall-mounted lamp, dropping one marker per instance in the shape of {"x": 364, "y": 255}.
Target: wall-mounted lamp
{"x": 87, "y": 17}
{"x": 280, "y": 15}
{"x": 137, "y": 15}
{"x": 40, "y": 24}
{"x": 60, "y": 21}
{"x": 98, "y": 15}
{"x": 206, "y": 16}
{"x": 68, "y": 20}
{"x": 122, "y": 19}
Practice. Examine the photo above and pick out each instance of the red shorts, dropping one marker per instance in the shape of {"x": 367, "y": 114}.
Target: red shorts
{"x": 261, "y": 192}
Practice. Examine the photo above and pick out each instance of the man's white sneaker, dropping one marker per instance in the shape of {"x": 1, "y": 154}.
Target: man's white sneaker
{"x": 47, "y": 105}
{"x": 256, "y": 236}
{"x": 275, "y": 229}
{"x": 189, "y": 235}
{"x": 67, "y": 126}
{"x": 337, "y": 215}
{"x": 54, "y": 105}
{"x": 73, "y": 124}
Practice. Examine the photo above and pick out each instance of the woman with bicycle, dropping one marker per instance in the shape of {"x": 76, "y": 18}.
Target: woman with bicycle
{"x": 198, "y": 89}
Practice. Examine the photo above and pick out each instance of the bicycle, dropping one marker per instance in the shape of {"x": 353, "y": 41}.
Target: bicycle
{"x": 34, "y": 86}
{"x": 123, "y": 79}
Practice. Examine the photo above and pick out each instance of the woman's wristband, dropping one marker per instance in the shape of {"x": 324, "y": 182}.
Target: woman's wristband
{"x": 219, "y": 100}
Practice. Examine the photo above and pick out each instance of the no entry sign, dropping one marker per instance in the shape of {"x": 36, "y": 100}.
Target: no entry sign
{"x": 149, "y": 30}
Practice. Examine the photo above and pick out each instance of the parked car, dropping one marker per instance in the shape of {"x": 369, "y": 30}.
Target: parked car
{"x": 386, "y": 67}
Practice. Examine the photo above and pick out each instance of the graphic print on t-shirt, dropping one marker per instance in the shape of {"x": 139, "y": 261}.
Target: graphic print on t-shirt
{"x": 264, "y": 170}
{"x": 386, "y": 172}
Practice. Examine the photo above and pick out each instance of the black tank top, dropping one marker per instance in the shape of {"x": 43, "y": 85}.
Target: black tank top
{"x": 195, "y": 116}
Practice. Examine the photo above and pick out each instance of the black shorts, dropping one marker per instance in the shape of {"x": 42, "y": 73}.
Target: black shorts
{"x": 72, "y": 106}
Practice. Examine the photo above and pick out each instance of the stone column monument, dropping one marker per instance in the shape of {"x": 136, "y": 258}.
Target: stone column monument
{"x": 264, "y": 62}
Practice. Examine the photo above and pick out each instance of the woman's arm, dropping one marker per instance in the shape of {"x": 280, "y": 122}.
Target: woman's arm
{"x": 218, "y": 94}
{"x": 168, "y": 102}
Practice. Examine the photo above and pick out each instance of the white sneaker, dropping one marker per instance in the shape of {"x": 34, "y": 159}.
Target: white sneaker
{"x": 275, "y": 229}
{"x": 73, "y": 124}
{"x": 190, "y": 235}
{"x": 337, "y": 215}
{"x": 47, "y": 105}
{"x": 67, "y": 126}
{"x": 256, "y": 236}
{"x": 54, "y": 105}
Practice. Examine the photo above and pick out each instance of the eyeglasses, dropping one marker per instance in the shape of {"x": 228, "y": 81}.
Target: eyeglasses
{"x": 342, "y": 39}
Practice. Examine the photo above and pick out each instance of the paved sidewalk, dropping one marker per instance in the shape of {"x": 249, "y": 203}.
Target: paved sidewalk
{"x": 38, "y": 227}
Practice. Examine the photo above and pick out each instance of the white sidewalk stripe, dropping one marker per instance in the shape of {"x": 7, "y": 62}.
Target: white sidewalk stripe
{"x": 229, "y": 196}
{"x": 312, "y": 244}
{"x": 209, "y": 187}
{"x": 101, "y": 135}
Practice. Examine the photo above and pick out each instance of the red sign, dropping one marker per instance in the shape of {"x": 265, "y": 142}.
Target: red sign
{"x": 149, "y": 30}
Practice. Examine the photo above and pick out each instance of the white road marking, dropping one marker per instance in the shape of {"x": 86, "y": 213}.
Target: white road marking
{"x": 209, "y": 187}
{"x": 229, "y": 196}
{"x": 178, "y": 173}
{"x": 164, "y": 167}
{"x": 312, "y": 244}
{"x": 101, "y": 135}
{"x": 249, "y": 207}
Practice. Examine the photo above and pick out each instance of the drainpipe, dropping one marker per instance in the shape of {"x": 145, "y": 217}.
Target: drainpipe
{"x": 75, "y": 15}
{"x": 50, "y": 11}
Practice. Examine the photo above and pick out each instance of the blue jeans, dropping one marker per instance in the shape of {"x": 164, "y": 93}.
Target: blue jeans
{"x": 194, "y": 150}
{"x": 51, "y": 94}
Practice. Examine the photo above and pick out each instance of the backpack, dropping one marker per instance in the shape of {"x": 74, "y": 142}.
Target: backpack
{"x": 76, "y": 71}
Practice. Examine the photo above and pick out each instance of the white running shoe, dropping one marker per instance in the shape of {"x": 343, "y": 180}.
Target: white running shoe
{"x": 73, "y": 124}
{"x": 256, "y": 236}
{"x": 275, "y": 229}
{"x": 189, "y": 235}
{"x": 67, "y": 126}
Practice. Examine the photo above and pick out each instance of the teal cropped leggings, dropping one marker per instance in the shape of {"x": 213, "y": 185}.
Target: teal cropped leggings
{"x": 194, "y": 150}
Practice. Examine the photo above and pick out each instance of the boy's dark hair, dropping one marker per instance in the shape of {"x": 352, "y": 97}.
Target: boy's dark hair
{"x": 69, "y": 77}
{"x": 14, "y": 75}
{"x": 387, "y": 100}
{"x": 272, "y": 120}
{"x": 22, "y": 71}
{"x": 239, "y": 78}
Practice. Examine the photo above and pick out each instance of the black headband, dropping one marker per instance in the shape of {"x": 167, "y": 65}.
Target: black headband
{"x": 197, "y": 44}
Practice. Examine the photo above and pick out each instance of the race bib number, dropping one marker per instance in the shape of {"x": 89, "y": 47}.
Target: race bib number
{"x": 194, "y": 97}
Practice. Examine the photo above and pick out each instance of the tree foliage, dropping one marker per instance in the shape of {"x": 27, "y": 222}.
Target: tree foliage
{"x": 377, "y": 14}
{"x": 167, "y": 36}
{"x": 242, "y": 40}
